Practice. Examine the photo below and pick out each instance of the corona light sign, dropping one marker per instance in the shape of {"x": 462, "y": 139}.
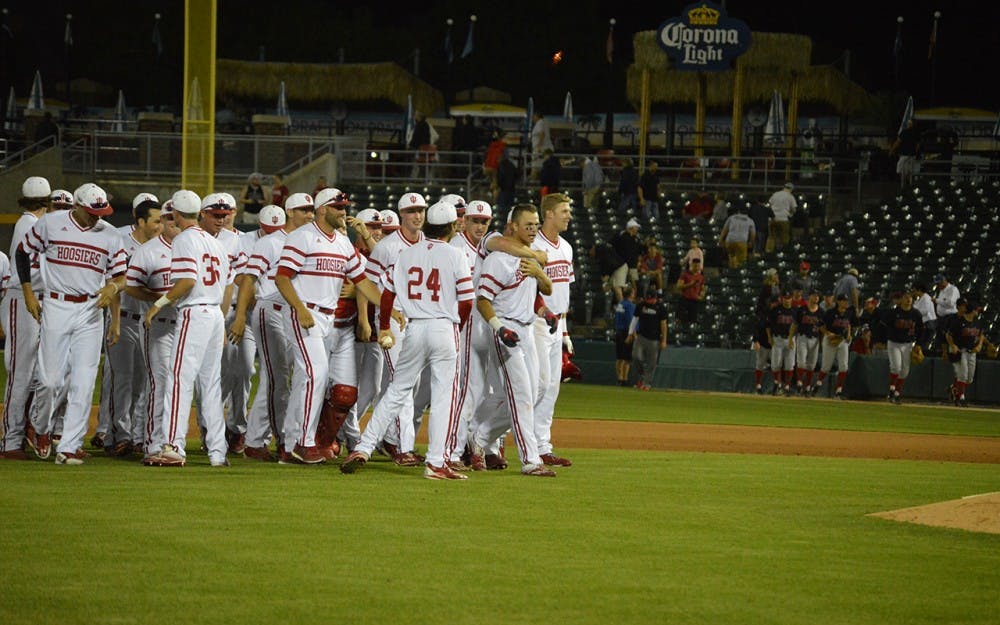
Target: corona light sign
{"x": 703, "y": 38}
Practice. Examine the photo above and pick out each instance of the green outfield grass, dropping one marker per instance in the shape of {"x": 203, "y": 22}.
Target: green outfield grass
{"x": 585, "y": 401}
{"x": 621, "y": 537}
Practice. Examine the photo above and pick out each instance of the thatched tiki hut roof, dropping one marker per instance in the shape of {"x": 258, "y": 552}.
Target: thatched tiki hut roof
{"x": 771, "y": 63}
{"x": 321, "y": 84}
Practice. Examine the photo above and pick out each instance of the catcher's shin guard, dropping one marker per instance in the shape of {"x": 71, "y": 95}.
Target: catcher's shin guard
{"x": 336, "y": 405}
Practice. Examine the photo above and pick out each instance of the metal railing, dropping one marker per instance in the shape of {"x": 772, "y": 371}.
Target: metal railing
{"x": 157, "y": 156}
{"x": 19, "y": 157}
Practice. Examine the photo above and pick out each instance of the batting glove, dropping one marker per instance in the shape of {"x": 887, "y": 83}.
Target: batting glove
{"x": 568, "y": 343}
{"x": 508, "y": 337}
{"x": 552, "y": 320}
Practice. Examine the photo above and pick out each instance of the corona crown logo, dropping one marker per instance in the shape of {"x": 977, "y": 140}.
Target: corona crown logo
{"x": 703, "y": 16}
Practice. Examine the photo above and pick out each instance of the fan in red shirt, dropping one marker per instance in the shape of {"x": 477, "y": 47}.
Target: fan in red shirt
{"x": 691, "y": 285}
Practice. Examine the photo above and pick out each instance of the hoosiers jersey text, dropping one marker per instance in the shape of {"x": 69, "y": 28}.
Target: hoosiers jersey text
{"x": 512, "y": 292}
{"x": 150, "y": 268}
{"x": 318, "y": 263}
{"x": 77, "y": 260}
{"x": 559, "y": 269}
{"x": 199, "y": 256}
{"x": 429, "y": 279}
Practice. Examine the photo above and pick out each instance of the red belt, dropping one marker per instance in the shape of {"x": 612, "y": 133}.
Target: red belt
{"x": 76, "y": 299}
{"x": 343, "y": 324}
{"x": 325, "y": 311}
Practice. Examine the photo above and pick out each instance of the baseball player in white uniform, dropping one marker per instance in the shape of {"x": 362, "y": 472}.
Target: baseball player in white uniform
{"x": 400, "y": 440}
{"x": 147, "y": 280}
{"x": 21, "y": 328}
{"x": 200, "y": 275}
{"x": 314, "y": 263}
{"x": 505, "y": 297}
{"x": 256, "y": 287}
{"x": 128, "y": 399}
{"x": 433, "y": 287}
{"x": 83, "y": 271}
{"x": 62, "y": 200}
{"x": 550, "y": 327}
{"x": 367, "y": 351}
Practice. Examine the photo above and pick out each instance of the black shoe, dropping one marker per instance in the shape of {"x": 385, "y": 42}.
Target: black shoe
{"x": 839, "y": 395}
{"x": 760, "y": 391}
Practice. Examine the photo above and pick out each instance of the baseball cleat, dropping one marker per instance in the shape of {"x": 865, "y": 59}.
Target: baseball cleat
{"x": 73, "y": 458}
{"x": 308, "y": 455}
{"x": 456, "y": 465}
{"x": 41, "y": 444}
{"x": 355, "y": 460}
{"x": 553, "y": 460}
{"x": 495, "y": 462}
{"x": 286, "y": 457}
{"x": 409, "y": 459}
{"x": 537, "y": 470}
{"x": 262, "y": 454}
{"x": 97, "y": 441}
{"x": 169, "y": 457}
{"x": 218, "y": 462}
{"x": 443, "y": 472}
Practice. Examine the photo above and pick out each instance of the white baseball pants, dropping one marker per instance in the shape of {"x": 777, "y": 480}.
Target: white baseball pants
{"x": 782, "y": 355}
{"x": 833, "y": 352}
{"x": 267, "y": 415}
{"x": 158, "y": 343}
{"x": 549, "y": 347}
{"x": 899, "y": 357}
{"x": 19, "y": 358}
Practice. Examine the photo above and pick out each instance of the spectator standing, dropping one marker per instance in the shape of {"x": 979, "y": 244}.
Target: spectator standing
{"x": 848, "y": 286}
{"x": 737, "y": 236}
{"x": 649, "y": 192}
{"x": 629, "y": 248}
{"x": 614, "y": 272}
{"x": 491, "y": 164}
{"x": 907, "y": 146}
{"x": 761, "y": 215}
{"x": 648, "y": 335}
{"x": 720, "y": 211}
{"x": 945, "y": 300}
{"x": 691, "y": 286}
{"x": 252, "y": 199}
{"x": 593, "y": 180}
{"x": 803, "y": 282}
{"x": 541, "y": 140}
{"x": 551, "y": 174}
{"x": 694, "y": 252}
{"x": 702, "y": 206}
{"x": 624, "y": 312}
{"x": 783, "y": 205}
{"x": 923, "y": 304}
{"x": 768, "y": 295}
{"x": 506, "y": 185}
{"x": 628, "y": 189}
{"x": 279, "y": 191}
{"x": 651, "y": 265}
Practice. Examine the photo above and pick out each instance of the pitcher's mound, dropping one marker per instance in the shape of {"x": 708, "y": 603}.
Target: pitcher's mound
{"x": 975, "y": 513}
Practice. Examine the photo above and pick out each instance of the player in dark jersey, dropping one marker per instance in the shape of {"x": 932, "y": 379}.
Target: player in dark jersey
{"x": 903, "y": 327}
{"x": 781, "y": 335}
{"x": 965, "y": 339}
{"x": 809, "y": 321}
{"x": 837, "y": 332}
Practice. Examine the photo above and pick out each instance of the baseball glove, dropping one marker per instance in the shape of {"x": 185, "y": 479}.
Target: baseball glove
{"x": 917, "y": 355}
{"x": 991, "y": 350}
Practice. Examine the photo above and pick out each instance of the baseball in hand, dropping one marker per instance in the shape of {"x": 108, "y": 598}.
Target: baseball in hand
{"x": 386, "y": 342}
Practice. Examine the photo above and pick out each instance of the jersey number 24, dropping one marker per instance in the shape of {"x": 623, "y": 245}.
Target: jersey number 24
{"x": 432, "y": 285}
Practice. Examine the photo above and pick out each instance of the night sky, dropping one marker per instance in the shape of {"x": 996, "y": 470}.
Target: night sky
{"x": 514, "y": 42}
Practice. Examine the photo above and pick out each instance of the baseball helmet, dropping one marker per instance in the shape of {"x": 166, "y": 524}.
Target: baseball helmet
{"x": 93, "y": 198}
{"x": 390, "y": 220}
{"x": 36, "y": 187}
{"x": 143, "y": 197}
{"x": 271, "y": 218}
{"x": 457, "y": 201}
{"x": 411, "y": 200}
{"x": 61, "y": 198}
{"x": 332, "y": 197}
{"x": 186, "y": 202}
{"x": 442, "y": 213}
{"x": 218, "y": 204}
{"x": 479, "y": 208}
{"x": 370, "y": 217}
{"x": 300, "y": 201}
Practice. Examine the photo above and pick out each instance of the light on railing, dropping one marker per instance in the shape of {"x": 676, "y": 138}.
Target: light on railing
{"x": 374, "y": 155}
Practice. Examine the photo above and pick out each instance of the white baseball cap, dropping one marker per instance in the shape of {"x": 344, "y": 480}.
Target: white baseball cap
{"x": 632, "y": 223}
{"x": 271, "y": 218}
{"x": 62, "y": 197}
{"x": 411, "y": 200}
{"x": 332, "y": 197}
{"x": 93, "y": 198}
{"x": 299, "y": 200}
{"x": 167, "y": 209}
{"x": 442, "y": 213}
{"x": 143, "y": 197}
{"x": 36, "y": 187}
{"x": 218, "y": 203}
{"x": 390, "y": 220}
{"x": 186, "y": 202}
{"x": 370, "y": 217}
{"x": 479, "y": 208}
{"x": 457, "y": 201}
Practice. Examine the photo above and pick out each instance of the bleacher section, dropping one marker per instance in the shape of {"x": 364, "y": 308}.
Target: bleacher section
{"x": 936, "y": 227}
